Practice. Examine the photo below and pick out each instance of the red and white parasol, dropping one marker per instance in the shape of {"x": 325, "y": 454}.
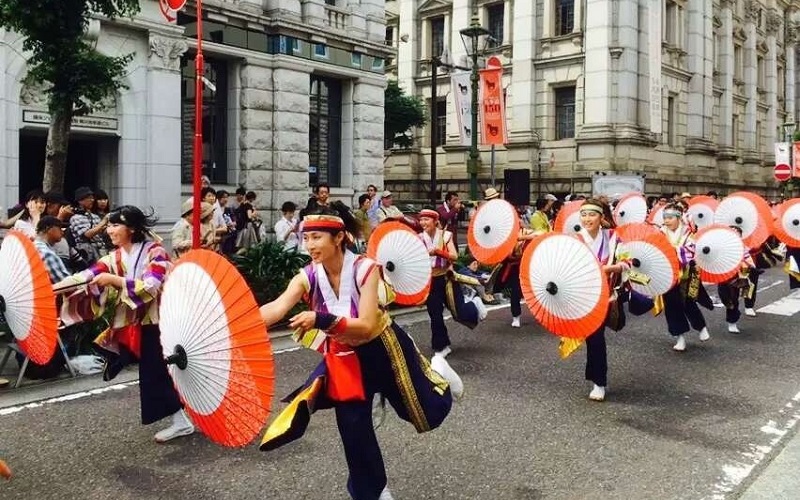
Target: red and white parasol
{"x": 787, "y": 224}
{"x": 701, "y": 210}
{"x": 631, "y": 208}
{"x": 217, "y": 347}
{"x": 564, "y": 285}
{"x": 568, "y": 220}
{"x": 493, "y": 232}
{"x": 653, "y": 256}
{"x": 27, "y": 300}
{"x": 750, "y": 213}
{"x": 405, "y": 261}
{"x": 656, "y": 216}
{"x": 635, "y": 231}
{"x": 719, "y": 252}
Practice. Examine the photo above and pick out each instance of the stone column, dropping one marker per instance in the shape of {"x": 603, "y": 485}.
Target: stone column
{"x": 700, "y": 63}
{"x": 407, "y": 51}
{"x": 773, "y": 24}
{"x": 313, "y": 12}
{"x": 507, "y": 23}
{"x": 578, "y": 17}
{"x": 368, "y": 118}
{"x": 523, "y": 79}
{"x": 625, "y": 56}
{"x": 750, "y": 117}
{"x": 727, "y": 71}
{"x": 791, "y": 74}
{"x": 288, "y": 8}
{"x": 257, "y": 129}
{"x": 375, "y": 11}
{"x": 6, "y": 193}
{"x": 290, "y": 133}
{"x": 462, "y": 15}
{"x": 597, "y": 121}
{"x": 162, "y": 179}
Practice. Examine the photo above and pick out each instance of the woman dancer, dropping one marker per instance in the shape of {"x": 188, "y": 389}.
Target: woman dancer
{"x": 730, "y": 292}
{"x": 680, "y": 303}
{"x": 508, "y": 273}
{"x": 129, "y": 281}
{"x": 445, "y": 291}
{"x": 598, "y": 233}
{"x": 365, "y": 353}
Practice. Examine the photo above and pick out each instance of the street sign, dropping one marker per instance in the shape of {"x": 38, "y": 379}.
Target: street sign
{"x": 782, "y": 172}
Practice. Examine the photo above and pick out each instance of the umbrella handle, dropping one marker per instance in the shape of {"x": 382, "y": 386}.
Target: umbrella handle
{"x": 67, "y": 288}
{"x": 178, "y": 358}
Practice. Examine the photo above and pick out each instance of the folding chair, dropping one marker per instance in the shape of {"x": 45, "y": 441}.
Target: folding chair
{"x": 13, "y": 347}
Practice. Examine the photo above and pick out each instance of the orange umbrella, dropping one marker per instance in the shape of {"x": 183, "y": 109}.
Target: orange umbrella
{"x": 564, "y": 285}
{"x": 653, "y": 256}
{"x": 719, "y": 252}
{"x": 217, "y": 347}
{"x": 787, "y": 224}
{"x": 656, "y": 216}
{"x": 493, "y": 232}
{"x": 635, "y": 231}
{"x": 27, "y": 301}
{"x": 750, "y": 213}
{"x": 568, "y": 219}
{"x": 405, "y": 261}
{"x": 701, "y": 210}
{"x": 631, "y": 208}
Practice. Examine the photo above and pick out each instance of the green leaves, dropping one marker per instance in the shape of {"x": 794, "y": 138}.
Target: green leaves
{"x": 402, "y": 112}
{"x": 268, "y": 268}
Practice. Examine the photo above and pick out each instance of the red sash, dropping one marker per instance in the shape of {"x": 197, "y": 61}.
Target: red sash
{"x": 344, "y": 373}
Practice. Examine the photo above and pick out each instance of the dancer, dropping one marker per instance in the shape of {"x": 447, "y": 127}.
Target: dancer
{"x": 730, "y": 292}
{"x": 365, "y": 353}
{"x": 445, "y": 290}
{"x": 598, "y": 233}
{"x": 508, "y": 273}
{"x": 680, "y": 302}
{"x": 129, "y": 282}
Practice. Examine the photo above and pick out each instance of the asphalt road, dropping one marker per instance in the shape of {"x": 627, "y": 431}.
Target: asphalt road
{"x": 674, "y": 426}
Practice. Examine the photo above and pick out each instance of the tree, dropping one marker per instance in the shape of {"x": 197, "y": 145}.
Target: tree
{"x": 78, "y": 78}
{"x": 402, "y": 112}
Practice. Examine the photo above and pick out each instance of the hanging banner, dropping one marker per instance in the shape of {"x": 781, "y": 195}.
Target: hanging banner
{"x": 654, "y": 59}
{"x": 796, "y": 164}
{"x": 462, "y": 93}
{"x": 493, "y": 109}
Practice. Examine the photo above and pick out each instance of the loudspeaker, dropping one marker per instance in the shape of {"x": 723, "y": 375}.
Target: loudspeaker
{"x": 517, "y": 186}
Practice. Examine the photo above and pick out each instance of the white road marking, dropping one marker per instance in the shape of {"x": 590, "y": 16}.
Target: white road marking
{"x": 717, "y": 303}
{"x": 787, "y": 306}
{"x": 734, "y": 474}
{"x": 67, "y": 397}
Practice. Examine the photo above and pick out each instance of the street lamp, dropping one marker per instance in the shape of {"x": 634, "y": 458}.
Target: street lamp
{"x": 471, "y": 36}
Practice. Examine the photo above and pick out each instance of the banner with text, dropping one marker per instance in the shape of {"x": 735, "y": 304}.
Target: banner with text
{"x": 654, "y": 58}
{"x": 493, "y": 109}
{"x": 462, "y": 93}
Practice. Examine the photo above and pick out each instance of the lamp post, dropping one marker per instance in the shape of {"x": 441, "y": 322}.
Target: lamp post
{"x": 471, "y": 36}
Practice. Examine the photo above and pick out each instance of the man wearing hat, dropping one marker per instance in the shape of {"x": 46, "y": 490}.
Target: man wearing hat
{"x": 387, "y": 210}
{"x": 181, "y": 238}
{"x": 50, "y": 231}
{"x": 87, "y": 228}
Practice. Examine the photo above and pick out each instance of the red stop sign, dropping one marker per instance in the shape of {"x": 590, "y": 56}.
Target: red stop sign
{"x": 176, "y": 4}
{"x": 782, "y": 172}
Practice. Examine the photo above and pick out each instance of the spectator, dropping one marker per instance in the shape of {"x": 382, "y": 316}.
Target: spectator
{"x": 228, "y": 243}
{"x": 362, "y": 217}
{"x": 58, "y": 206}
{"x": 286, "y": 227}
{"x": 248, "y": 223}
{"x": 539, "y": 222}
{"x": 35, "y": 206}
{"x": 205, "y": 182}
{"x": 448, "y": 214}
{"x": 181, "y": 238}
{"x": 102, "y": 204}
{"x": 387, "y": 210}
{"x": 320, "y": 199}
{"x": 87, "y": 227}
{"x": 209, "y": 195}
{"x": 239, "y": 195}
{"x": 375, "y": 203}
{"x": 713, "y": 194}
{"x": 50, "y": 231}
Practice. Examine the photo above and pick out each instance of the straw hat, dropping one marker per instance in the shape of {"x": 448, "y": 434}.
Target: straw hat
{"x": 206, "y": 209}
{"x": 490, "y": 194}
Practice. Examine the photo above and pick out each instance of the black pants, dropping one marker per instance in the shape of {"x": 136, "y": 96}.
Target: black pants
{"x": 516, "y": 292}
{"x": 158, "y": 396}
{"x": 681, "y": 312}
{"x": 750, "y": 302}
{"x": 597, "y": 358}
{"x": 436, "y": 305}
{"x": 729, "y": 296}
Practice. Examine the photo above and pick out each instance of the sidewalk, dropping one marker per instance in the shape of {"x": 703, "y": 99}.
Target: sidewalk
{"x": 781, "y": 477}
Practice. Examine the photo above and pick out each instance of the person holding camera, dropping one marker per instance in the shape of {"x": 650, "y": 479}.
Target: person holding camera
{"x": 87, "y": 227}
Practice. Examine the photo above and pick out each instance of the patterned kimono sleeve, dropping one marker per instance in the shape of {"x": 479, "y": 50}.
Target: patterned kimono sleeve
{"x": 140, "y": 291}
{"x": 686, "y": 251}
{"x": 86, "y": 303}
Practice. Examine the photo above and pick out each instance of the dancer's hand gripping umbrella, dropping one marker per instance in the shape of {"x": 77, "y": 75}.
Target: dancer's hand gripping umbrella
{"x": 564, "y": 285}
{"x": 27, "y": 300}
{"x": 718, "y": 253}
{"x": 405, "y": 261}
{"x": 653, "y": 256}
{"x": 568, "y": 220}
{"x": 217, "y": 347}
{"x": 750, "y": 213}
{"x": 493, "y": 232}
{"x": 632, "y": 208}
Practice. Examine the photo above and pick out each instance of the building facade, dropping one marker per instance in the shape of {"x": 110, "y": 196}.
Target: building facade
{"x": 690, "y": 94}
{"x": 295, "y": 97}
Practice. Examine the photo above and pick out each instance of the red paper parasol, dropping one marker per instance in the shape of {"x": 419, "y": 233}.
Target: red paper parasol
{"x": 631, "y": 208}
{"x": 217, "y": 347}
{"x": 27, "y": 301}
{"x": 568, "y": 220}
{"x": 564, "y": 286}
{"x": 701, "y": 210}
{"x": 718, "y": 253}
{"x": 787, "y": 224}
{"x": 653, "y": 256}
{"x": 493, "y": 232}
{"x": 637, "y": 231}
{"x": 656, "y": 216}
{"x": 750, "y": 213}
{"x": 405, "y": 261}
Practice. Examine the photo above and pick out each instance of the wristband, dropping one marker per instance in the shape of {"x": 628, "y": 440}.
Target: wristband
{"x": 325, "y": 321}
